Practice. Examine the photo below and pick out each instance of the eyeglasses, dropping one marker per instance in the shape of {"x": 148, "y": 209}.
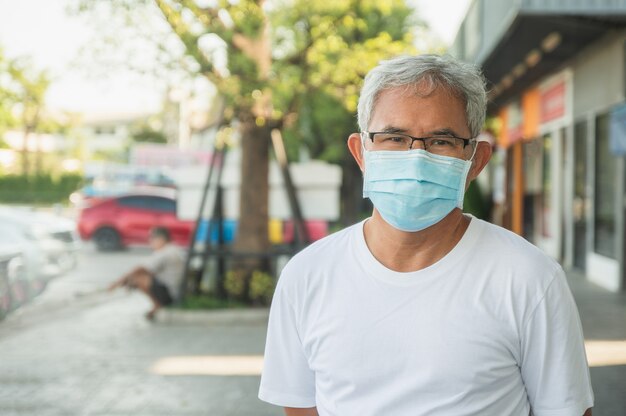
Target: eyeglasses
{"x": 446, "y": 145}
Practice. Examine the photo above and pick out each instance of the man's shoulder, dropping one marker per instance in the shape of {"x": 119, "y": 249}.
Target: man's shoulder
{"x": 507, "y": 251}
{"x": 501, "y": 240}
{"x": 173, "y": 250}
{"x": 169, "y": 252}
{"x": 321, "y": 255}
{"x": 328, "y": 247}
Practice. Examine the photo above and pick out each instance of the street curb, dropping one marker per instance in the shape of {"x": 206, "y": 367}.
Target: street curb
{"x": 213, "y": 317}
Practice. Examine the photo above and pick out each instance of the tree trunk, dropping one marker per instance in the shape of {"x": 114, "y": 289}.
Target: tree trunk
{"x": 252, "y": 233}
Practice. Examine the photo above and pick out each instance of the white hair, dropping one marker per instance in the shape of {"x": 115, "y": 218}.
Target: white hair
{"x": 461, "y": 79}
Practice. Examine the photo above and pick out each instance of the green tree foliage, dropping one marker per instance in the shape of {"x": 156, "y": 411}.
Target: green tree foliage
{"x": 7, "y": 97}
{"x": 146, "y": 134}
{"x": 38, "y": 189}
{"x": 22, "y": 105}
{"x": 293, "y": 65}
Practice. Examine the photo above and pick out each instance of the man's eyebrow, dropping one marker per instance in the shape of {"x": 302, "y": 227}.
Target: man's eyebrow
{"x": 446, "y": 131}
{"x": 393, "y": 129}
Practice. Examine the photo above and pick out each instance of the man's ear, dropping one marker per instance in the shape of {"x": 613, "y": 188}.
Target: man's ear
{"x": 481, "y": 158}
{"x": 356, "y": 149}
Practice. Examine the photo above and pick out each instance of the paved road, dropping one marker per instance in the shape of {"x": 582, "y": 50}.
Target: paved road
{"x": 603, "y": 315}
{"x": 75, "y": 354}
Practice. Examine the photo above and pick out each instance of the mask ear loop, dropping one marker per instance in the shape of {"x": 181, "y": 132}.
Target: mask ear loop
{"x": 363, "y": 138}
{"x": 363, "y": 149}
{"x": 475, "y": 145}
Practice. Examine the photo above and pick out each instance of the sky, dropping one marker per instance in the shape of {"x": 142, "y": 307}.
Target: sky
{"x": 443, "y": 16}
{"x": 52, "y": 40}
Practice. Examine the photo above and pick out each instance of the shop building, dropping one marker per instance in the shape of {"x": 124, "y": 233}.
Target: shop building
{"x": 556, "y": 72}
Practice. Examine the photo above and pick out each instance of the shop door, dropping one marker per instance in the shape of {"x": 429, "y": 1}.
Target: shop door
{"x": 532, "y": 188}
{"x": 547, "y": 183}
{"x": 581, "y": 202}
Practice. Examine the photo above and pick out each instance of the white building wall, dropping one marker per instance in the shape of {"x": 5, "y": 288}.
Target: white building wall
{"x": 598, "y": 85}
{"x": 599, "y": 75}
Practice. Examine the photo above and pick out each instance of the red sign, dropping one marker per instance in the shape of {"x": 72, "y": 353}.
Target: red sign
{"x": 553, "y": 102}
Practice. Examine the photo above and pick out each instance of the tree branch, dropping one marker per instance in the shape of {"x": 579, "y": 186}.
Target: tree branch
{"x": 210, "y": 19}
{"x": 175, "y": 20}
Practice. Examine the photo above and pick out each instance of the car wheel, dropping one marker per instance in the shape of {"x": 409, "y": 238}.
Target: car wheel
{"x": 107, "y": 239}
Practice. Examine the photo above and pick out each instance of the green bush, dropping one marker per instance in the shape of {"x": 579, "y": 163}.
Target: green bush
{"x": 38, "y": 189}
{"x": 235, "y": 284}
{"x": 255, "y": 288}
{"x": 261, "y": 288}
{"x": 209, "y": 302}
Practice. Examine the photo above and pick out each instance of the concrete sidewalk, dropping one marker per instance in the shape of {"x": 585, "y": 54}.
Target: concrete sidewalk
{"x": 603, "y": 316}
{"x": 107, "y": 360}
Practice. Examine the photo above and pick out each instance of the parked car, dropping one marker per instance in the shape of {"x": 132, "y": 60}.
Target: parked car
{"x": 13, "y": 284}
{"x": 119, "y": 221}
{"x": 45, "y": 226}
{"x": 44, "y": 256}
{"x": 61, "y": 229}
{"x": 110, "y": 185}
{"x": 35, "y": 273}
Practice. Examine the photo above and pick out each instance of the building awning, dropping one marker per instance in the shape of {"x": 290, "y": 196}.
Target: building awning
{"x": 535, "y": 45}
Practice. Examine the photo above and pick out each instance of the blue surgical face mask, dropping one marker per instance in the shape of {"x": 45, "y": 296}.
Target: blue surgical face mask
{"x": 414, "y": 189}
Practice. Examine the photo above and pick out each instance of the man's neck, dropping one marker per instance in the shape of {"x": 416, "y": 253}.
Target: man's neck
{"x": 406, "y": 252}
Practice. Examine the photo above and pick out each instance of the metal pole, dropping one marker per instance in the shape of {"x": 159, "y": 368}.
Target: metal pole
{"x": 216, "y": 215}
{"x": 192, "y": 243}
{"x": 302, "y": 236}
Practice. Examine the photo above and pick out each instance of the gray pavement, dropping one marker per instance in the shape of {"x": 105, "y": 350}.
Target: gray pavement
{"x": 79, "y": 351}
{"x": 101, "y": 361}
{"x": 603, "y": 315}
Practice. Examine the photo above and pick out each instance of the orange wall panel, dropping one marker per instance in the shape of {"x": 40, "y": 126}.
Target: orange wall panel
{"x": 503, "y": 136}
{"x": 531, "y": 108}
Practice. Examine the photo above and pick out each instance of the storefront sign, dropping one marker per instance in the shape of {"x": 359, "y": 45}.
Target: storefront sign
{"x": 617, "y": 130}
{"x": 553, "y": 102}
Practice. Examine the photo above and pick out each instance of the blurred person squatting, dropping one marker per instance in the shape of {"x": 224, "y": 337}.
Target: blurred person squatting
{"x": 161, "y": 276}
{"x": 422, "y": 309}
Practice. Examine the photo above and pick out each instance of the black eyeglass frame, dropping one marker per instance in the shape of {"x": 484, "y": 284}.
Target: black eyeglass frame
{"x": 370, "y": 135}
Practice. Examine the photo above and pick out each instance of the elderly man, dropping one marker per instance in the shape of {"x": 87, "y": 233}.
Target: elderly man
{"x": 420, "y": 309}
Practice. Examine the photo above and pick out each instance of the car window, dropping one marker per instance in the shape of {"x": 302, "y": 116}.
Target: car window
{"x": 155, "y": 203}
{"x": 141, "y": 202}
{"x": 164, "y": 204}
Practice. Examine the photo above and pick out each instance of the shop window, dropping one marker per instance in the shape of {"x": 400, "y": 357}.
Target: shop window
{"x": 546, "y": 177}
{"x": 580, "y": 202}
{"x": 532, "y": 187}
{"x": 605, "y": 194}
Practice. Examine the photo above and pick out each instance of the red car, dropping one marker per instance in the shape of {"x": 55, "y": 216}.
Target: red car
{"x": 115, "y": 222}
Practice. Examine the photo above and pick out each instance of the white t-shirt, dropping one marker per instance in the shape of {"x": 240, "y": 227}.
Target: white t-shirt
{"x": 490, "y": 329}
{"x": 167, "y": 264}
